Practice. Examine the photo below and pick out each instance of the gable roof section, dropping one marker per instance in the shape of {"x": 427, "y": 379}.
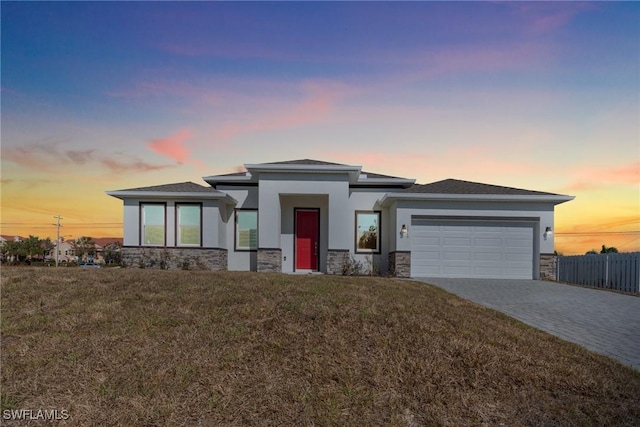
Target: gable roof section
{"x": 307, "y": 162}
{"x": 356, "y": 176}
{"x": 457, "y": 186}
{"x": 459, "y": 190}
{"x": 180, "y": 190}
{"x": 179, "y": 187}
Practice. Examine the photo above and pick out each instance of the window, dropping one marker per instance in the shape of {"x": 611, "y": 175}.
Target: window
{"x": 153, "y": 219}
{"x": 246, "y": 230}
{"x": 368, "y": 231}
{"x": 188, "y": 229}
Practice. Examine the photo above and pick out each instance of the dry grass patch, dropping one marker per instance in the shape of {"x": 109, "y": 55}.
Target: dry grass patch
{"x": 141, "y": 347}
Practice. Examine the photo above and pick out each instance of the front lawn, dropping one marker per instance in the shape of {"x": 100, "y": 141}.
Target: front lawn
{"x": 167, "y": 348}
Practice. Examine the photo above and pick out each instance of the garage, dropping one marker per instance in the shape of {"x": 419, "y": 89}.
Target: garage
{"x": 472, "y": 248}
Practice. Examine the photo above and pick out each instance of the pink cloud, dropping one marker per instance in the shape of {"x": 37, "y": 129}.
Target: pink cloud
{"x": 28, "y": 156}
{"x": 135, "y": 166}
{"x": 628, "y": 174}
{"x": 590, "y": 177}
{"x": 319, "y": 103}
{"x": 173, "y": 146}
{"x": 50, "y": 158}
{"x": 545, "y": 17}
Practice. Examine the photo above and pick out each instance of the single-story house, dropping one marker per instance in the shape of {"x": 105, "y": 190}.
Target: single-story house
{"x": 308, "y": 215}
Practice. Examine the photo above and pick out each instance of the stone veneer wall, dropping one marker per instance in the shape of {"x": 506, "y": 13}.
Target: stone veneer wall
{"x": 400, "y": 263}
{"x": 337, "y": 260}
{"x": 175, "y": 258}
{"x": 270, "y": 259}
{"x": 548, "y": 267}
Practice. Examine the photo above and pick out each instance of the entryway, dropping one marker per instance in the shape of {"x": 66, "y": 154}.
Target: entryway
{"x": 307, "y": 232}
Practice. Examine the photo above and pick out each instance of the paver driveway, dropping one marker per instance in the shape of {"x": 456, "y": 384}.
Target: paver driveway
{"x": 601, "y": 321}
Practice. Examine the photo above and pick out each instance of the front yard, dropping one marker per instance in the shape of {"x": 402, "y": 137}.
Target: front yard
{"x": 148, "y": 347}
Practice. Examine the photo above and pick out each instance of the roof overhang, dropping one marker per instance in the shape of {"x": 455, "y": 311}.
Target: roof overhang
{"x": 364, "y": 180}
{"x": 257, "y": 169}
{"x": 355, "y": 174}
{"x": 162, "y": 195}
{"x": 555, "y": 199}
{"x": 215, "y": 179}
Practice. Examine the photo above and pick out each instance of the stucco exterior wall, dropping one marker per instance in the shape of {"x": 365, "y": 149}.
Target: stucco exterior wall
{"x": 276, "y": 199}
{"x": 542, "y": 211}
{"x": 335, "y": 187}
{"x": 247, "y": 198}
{"x": 367, "y": 200}
{"x": 539, "y": 214}
{"x": 212, "y": 220}
{"x": 288, "y": 204}
{"x": 131, "y": 218}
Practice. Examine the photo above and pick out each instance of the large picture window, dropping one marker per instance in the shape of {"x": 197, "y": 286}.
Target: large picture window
{"x": 246, "y": 230}
{"x": 189, "y": 223}
{"x": 153, "y": 224}
{"x": 368, "y": 231}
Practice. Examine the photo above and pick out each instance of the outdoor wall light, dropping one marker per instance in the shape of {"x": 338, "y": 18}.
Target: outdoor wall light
{"x": 548, "y": 232}
{"x": 403, "y": 231}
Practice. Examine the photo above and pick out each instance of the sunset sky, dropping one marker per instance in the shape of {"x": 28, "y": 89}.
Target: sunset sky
{"x": 109, "y": 95}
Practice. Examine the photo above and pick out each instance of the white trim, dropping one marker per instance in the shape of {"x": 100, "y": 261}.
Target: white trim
{"x": 228, "y": 178}
{"x": 302, "y": 168}
{"x": 141, "y": 194}
{"x": 405, "y": 182}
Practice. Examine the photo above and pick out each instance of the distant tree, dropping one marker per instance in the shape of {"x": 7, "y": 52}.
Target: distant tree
{"x": 606, "y": 250}
{"x": 14, "y": 250}
{"x": 47, "y": 245}
{"x": 32, "y": 247}
{"x": 85, "y": 246}
{"x": 592, "y": 252}
{"x": 112, "y": 254}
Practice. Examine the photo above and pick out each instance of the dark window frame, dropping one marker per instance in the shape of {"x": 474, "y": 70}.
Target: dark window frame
{"x": 235, "y": 230}
{"x": 378, "y": 249}
{"x": 141, "y": 224}
{"x": 177, "y": 224}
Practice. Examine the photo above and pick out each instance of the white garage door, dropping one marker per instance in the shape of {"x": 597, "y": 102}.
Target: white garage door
{"x": 482, "y": 249}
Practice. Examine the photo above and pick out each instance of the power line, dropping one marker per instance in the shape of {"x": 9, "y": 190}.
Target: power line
{"x": 68, "y": 223}
{"x": 630, "y": 241}
{"x": 598, "y": 233}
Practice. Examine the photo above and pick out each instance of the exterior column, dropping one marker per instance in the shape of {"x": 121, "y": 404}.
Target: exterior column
{"x": 400, "y": 263}
{"x": 337, "y": 259}
{"x": 270, "y": 259}
{"x": 548, "y": 267}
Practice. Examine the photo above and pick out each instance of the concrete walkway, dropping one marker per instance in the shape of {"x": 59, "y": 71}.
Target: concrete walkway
{"x": 605, "y": 322}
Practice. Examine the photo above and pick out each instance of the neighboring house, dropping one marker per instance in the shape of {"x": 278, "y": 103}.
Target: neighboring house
{"x": 66, "y": 251}
{"x": 7, "y": 238}
{"x": 307, "y": 215}
{"x": 104, "y": 244}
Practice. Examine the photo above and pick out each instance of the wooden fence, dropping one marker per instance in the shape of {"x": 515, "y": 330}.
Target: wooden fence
{"x": 611, "y": 271}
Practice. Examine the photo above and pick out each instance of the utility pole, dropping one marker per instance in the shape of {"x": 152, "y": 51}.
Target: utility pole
{"x": 58, "y": 237}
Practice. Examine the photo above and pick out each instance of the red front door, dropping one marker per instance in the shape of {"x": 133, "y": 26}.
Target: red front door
{"x": 307, "y": 224}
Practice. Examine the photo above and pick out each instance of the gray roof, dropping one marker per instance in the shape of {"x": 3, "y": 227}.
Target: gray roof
{"x": 378, "y": 175}
{"x": 312, "y": 162}
{"x": 179, "y": 187}
{"x": 456, "y": 186}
